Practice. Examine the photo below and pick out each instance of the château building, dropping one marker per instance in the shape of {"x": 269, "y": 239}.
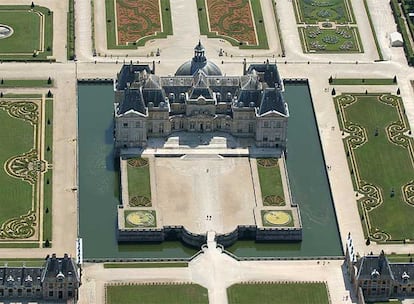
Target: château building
{"x": 374, "y": 278}
{"x": 198, "y": 98}
{"x": 57, "y": 280}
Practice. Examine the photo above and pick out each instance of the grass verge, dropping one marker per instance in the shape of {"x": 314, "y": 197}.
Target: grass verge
{"x": 157, "y": 294}
{"x": 146, "y": 265}
{"x": 286, "y": 293}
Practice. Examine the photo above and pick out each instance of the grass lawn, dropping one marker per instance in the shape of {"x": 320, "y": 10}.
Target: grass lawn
{"x": 26, "y": 38}
{"x": 25, "y": 83}
{"x": 111, "y": 26}
{"x": 30, "y": 262}
{"x": 23, "y": 171}
{"x": 139, "y": 184}
{"x": 271, "y": 185}
{"x": 291, "y": 293}
{"x": 362, "y": 81}
{"x": 400, "y": 258}
{"x": 48, "y": 176}
{"x": 16, "y": 195}
{"x": 339, "y": 11}
{"x": 157, "y": 294}
{"x": 19, "y": 245}
{"x": 342, "y": 39}
{"x": 71, "y": 30}
{"x": 381, "y": 168}
{"x": 146, "y": 265}
{"x": 258, "y": 20}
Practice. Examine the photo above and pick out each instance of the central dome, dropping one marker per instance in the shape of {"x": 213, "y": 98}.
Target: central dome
{"x": 198, "y": 63}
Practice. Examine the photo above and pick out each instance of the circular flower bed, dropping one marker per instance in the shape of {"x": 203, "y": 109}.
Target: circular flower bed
{"x": 141, "y": 218}
{"x": 277, "y": 218}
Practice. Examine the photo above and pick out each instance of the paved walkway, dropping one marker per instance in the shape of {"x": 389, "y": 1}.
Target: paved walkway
{"x": 217, "y": 271}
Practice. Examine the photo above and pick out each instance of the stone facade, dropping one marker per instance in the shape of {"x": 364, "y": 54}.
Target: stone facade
{"x": 374, "y": 278}
{"x": 57, "y": 280}
{"x": 199, "y": 99}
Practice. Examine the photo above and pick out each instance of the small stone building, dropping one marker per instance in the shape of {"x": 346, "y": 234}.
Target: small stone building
{"x": 374, "y": 278}
{"x": 57, "y": 280}
{"x": 198, "y": 98}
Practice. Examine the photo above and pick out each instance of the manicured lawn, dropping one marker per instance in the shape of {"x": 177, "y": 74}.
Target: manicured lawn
{"x": 19, "y": 245}
{"x": 271, "y": 184}
{"x": 362, "y": 81}
{"x": 341, "y": 39}
{"x": 135, "y": 23}
{"x": 25, "y": 83}
{"x": 400, "y": 258}
{"x": 380, "y": 162}
{"x": 71, "y": 30}
{"x": 339, "y": 11}
{"x": 48, "y": 176}
{"x": 30, "y": 262}
{"x": 326, "y": 37}
{"x": 16, "y": 195}
{"x": 146, "y": 265}
{"x": 27, "y": 25}
{"x": 139, "y": 186}
{"x": 233, "y": 22}
{"x": 157, "y": 294}
{"x": 22, "y": 170}
{"x": 290, "y": 293}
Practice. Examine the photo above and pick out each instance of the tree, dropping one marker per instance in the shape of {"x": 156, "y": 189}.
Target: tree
{"x": 47, "y": 243}
{"x": 49, "y": 80}
{"x": 333, "y": 92}
{"x": 368, "y": 242}
{"x": 32, "y": 5}
{"x": 398, "y": 91}
{"x": 330, "y": 79}
{"x": 2, "y": 81}
{"x": 394, "y": 80}
{"x": 49, "y": 94}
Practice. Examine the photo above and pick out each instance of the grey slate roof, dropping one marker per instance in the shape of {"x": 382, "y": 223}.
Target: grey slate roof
{"x": 191, "y": 67}
{"x": 132, "y": 100}
{"x": 250, "y": 89}
{"x": 272, "y": 100}
{"x": 20, "y": 276}
{"x": 400, "y": 269}
{"x": 60, "y": 266}
{"x": 370, "y": 263}
{"x": 128, "y": 74}
{"x": 267, "y": 72}
{"x": 198, "y": 63}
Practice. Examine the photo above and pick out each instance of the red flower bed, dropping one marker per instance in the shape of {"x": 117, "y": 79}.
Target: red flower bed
{"x": 232, "y": 18}
{"x": 137, "y": 19}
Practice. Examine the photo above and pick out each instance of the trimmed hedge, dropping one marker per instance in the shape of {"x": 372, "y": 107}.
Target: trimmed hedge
{"x": 409, "y": 53}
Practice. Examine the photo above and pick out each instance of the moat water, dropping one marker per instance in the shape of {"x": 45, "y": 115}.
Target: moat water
{"x": 98, "y": 185}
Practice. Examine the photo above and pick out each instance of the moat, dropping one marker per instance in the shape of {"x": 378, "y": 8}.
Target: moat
{"x": 98, "y": 185}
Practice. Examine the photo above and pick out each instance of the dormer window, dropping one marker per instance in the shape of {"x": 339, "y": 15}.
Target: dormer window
{"x": 375, "y": 274}
{"x": 405, "y": 277}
